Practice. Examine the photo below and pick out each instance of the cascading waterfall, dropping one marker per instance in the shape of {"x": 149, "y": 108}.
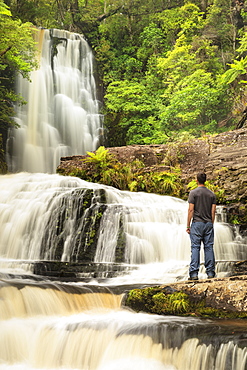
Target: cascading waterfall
{"x": 113, "y": 239}
{"x": 47, "y": 324}
{"x": 62, "y": 116}
{"x": 56, "y": 326}
{"x": 54, "y": 218}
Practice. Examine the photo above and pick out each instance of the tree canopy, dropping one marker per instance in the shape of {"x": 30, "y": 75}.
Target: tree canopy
{"x": 166, "y": 67}
{"x": 17, "y": 54}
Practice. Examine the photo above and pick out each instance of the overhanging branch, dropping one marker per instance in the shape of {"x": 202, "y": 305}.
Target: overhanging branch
{"x": 5, "y": 51}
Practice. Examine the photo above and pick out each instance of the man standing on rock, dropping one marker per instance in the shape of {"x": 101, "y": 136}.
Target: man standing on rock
{"x": 202, "y": 207}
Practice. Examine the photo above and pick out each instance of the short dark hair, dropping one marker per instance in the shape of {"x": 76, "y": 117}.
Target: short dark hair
{"x": 201, "y": 177}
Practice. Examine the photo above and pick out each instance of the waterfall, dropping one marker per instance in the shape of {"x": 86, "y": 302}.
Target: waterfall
{"x": 61, "y": 117}
{"x": 65, "y": 219}
{"x": 48, "y": 219}
{"x": 69, "y": 249}
{"x": 57, "y": 326}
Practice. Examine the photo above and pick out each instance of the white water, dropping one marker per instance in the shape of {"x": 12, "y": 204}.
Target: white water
{"x": 47, "y": 325}
{"x": 62, "y": 115}
{"x": 50, "y": 325}
{"x": 44, "y": 327}
{"x": 153, "y": 227}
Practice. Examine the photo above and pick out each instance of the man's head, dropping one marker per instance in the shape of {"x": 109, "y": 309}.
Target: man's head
{"x": 201, "y": 178}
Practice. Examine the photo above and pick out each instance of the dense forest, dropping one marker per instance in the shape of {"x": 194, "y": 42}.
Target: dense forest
{"x": 168, "y": 69}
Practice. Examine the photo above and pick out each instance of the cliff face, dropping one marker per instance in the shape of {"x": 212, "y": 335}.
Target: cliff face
{"x": 223, "y": 157}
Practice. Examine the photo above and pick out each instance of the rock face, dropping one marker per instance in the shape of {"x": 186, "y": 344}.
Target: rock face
{"x": 223, "y": 157}
{"x": 3, "y": 165}
{"x": 215, "y": 298}
{"x": 227, "y": 293}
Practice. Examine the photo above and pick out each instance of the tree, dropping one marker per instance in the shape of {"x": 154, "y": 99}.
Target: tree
{"x": 237, "y": 73}
{"x": 152, "y": 57}
{"x": 220, "y": 28}
{"x": 197, "y": 105}
{"x": 42, "y": 13}
{"x": 195, "y": 97}
{"x": 17, "y": 54}
{"x": 132, "y": 111}
{"x": 236, "y": 78}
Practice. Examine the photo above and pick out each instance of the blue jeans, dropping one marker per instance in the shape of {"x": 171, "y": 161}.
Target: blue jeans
{"x": 202, "y": 232}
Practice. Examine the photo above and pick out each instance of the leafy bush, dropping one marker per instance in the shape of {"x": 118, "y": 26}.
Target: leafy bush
{"x": 104, "y": 168}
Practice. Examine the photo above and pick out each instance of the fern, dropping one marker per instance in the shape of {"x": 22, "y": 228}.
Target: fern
{"x": 101, "y": 157}
{"x": 179, "y": 302}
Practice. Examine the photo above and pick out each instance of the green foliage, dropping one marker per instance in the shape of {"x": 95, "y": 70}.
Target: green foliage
{"x": 130, "y": 104}
{"x": 104, "y": 168}
{"x": 4, "y": 9}
{"x": 165, "y": 67}
{"x": 152, "y": 41}
{"x": 195, "y": 99}
{"x": 219, "y": 192}
{"x": 157, "y": 301}
{"x": 17, "y": 55}
{"x": 174, "y": 52}
{"x": 169, "y": 183}
{"x": 197, "y": 106}
{"x": 127, "y": 97}
{"x": 237, "y": 69}
{"x": 233, "y": 219}
{"x": 100, "y": 158}
{"x": 17, "y": 45}
{"x": 141, "y": 299}
{"x": 242, "y": 44}
{"x": 191, "y": 97}
{"x": 220, "y": 25}
{"x": 173, "y": 304}
{"x": 179, "y": 302}
{"x": 43, "y": 13}
{"x": 242, "y": 214}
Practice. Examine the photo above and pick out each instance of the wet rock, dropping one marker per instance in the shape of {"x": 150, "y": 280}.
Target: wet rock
{"x": 221, "y": 293}
{"x": 214, "y": 298}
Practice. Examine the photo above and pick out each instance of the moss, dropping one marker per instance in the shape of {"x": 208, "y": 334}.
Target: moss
{"x": 142, "y": 299}
{"x": 242, "y": 215}
{"x": 210, "y": 312}
{"x": 158, "y": 301}
{"x": 174, "y": 303}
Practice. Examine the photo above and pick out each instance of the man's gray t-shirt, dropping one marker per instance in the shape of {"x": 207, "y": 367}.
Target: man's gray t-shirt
{"x": 202, "y": 198}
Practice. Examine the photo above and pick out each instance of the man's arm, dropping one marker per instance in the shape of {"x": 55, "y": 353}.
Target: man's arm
{"x": 190, "y": 215}
{"x": 213, "y": 211}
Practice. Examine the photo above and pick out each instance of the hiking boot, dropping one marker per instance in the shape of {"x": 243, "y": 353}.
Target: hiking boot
{"x": 193, "y": 278}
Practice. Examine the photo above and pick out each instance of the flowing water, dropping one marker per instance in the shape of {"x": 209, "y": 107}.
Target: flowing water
{"x": 61, "y": 116}
{"x": 69, "y": 249}
{"x": 79, "y": 323}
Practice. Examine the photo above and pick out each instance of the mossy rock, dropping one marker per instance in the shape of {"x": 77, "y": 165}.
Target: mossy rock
{"x": 167, "y": 301}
